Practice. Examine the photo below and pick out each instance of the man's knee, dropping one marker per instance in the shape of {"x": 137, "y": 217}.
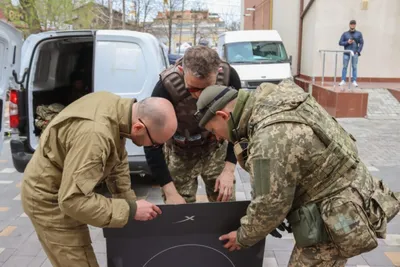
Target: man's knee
{"x": 61, "y": 256}
{"x": 68, "y": 247}
{"x": 324, "y": 255}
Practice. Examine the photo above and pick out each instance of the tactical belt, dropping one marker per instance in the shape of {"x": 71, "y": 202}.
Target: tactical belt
{"x": 184, "y": 147}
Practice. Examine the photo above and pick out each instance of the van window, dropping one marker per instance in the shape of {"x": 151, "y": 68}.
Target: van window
{"x": 119, "y": 67}
{"x": 256, "y": 52}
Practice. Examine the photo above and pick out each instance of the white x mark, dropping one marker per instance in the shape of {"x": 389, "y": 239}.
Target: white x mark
{"x": 188, "y": 218}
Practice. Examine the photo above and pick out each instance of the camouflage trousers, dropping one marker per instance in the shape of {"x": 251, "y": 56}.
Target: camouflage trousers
{"x": 185, "y": 170}
{"x": 322, "y": 255}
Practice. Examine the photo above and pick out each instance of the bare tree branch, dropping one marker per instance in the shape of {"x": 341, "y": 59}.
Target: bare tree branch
{"x": 199, "y": 15}
{"x": 123, "y": 14}
{"x": 147, "y": 8}
{"x": 232, "y": 22}
{"x": 167, "y": 17}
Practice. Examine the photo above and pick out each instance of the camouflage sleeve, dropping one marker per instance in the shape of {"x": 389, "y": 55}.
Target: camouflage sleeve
{"x": 83, "y": 169}
{"x": 119, "y": 180}
{"x": 275, "y": 154}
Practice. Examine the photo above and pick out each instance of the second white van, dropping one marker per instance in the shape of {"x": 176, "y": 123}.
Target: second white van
{"x": 257, "y": 55}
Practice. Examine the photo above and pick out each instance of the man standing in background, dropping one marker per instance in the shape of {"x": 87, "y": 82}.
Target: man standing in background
{"x": 351, "y": 40}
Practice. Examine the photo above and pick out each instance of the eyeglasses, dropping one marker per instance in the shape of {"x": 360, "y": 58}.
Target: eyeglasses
{"x": 154, "y": 144}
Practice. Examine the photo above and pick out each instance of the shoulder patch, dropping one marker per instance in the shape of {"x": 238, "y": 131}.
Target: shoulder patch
{"x": 261, "y": 176}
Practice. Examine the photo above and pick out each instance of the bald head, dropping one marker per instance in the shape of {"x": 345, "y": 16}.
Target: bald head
{"x": 159, "y": 117}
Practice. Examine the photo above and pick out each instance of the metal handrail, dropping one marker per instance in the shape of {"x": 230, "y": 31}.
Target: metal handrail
{"x": 336, "y": 54}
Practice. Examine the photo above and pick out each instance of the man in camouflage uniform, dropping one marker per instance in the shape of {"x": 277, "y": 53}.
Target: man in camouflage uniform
{"x": 193, "y": 151}
{"x": 304, "y": 167}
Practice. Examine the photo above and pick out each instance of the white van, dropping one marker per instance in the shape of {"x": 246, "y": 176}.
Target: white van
{"x": 257, "y": 55}
{"x": 37, "y": 72}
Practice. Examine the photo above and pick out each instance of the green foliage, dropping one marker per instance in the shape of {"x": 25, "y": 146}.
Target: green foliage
{"x": 15, "y": 16}
{"x": 34, "y": 16}
{"x": 84, "y": 16}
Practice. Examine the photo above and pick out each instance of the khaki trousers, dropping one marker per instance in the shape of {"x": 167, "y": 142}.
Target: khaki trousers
{"x": 67, "y": 247}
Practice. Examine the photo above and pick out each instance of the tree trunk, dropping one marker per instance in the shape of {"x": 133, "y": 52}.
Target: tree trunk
{"x": 123, "y": 14}
{"x": 180, "y": 33}
{"x": 194, "y": 36}
{"x": 110, "y": 19}
{"x": 169, "y": 33}
{"x": 147, "y": 9}
{"x": 138, "y": 7}
{"x": 31, "y": 15}
{"x": 196, "y": 26}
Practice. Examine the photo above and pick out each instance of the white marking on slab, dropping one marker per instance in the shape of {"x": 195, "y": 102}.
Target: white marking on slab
{"x": 17, "y": 197}
{"x": 8, "y": 170}
{"x": 1, "y": 250}
{"x": 6, "y": 142}
{"x": 287, "y": 236}
{"x": 6, "y": 182}
{"x": 392, "y": 240}
{"x": 372, "y": 169}
{"x": 363, "y": 266}
{"x": 23, "y": 215}
{"x": 270, "y": 262}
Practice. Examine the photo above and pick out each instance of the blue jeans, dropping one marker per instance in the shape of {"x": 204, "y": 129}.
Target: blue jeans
{"x": 354, "y": 62}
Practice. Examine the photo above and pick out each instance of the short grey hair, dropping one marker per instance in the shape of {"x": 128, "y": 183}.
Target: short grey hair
{"x": 201, "y": 61}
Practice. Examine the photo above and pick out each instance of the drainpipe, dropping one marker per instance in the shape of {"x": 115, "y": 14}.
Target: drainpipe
{"x": 271, "y": 13}
{"x": 303, "y": 12}
{"x": 254, "y": 18}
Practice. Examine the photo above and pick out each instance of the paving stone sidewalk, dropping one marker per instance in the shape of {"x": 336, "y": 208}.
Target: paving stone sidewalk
{"x": 378, "y": 142}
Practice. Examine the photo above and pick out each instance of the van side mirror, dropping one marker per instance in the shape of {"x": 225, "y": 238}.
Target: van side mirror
{"x": 290, "y": 60}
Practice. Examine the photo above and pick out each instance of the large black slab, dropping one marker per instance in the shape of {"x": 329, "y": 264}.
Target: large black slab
{"x": 183, "y": 236}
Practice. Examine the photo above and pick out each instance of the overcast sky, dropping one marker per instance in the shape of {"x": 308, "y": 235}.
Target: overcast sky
{"x": 224, "y": 6}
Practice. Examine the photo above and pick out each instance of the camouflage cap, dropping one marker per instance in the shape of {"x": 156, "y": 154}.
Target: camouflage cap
{"x": 212, "y": 99}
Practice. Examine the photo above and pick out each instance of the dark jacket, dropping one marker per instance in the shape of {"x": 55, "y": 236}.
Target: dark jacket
{"x": 356, "y": 46}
